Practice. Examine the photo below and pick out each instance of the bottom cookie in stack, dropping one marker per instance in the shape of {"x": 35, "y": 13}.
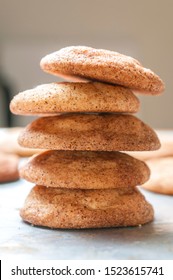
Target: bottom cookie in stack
{"x": 74, "y": 208}
{"x": 78, "y": 189}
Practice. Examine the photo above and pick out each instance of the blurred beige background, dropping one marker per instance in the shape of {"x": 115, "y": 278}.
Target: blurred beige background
{"x": 31, "y": 29}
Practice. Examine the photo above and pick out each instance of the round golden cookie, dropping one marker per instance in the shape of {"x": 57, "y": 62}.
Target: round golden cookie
{"x": 104, "y": 132}
{"x": 102, "y": 65}
{"x": 161, "y": 180}
{"x": 8, "y": 168}
{"x": 64, "y": 208}
{"x": 9, "y": 143}
{"x": 85, "y": 170}
{"x": 74, "y": 97}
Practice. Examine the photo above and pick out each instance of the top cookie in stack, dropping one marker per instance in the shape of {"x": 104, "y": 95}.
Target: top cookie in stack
{"x": 93, "y": 184}
{"x": 102, "y": 65}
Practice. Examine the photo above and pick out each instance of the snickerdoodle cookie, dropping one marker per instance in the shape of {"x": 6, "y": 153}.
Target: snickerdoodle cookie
{"x": 8, "y": 168}
{"x": 97, "y": 132}
{"x": 102, "y": 65}
{"x": 85, "y": 170}
{"x": 161, "y": 180}
{"x": 67, "y": 208}
{"x": 74, "y": 97}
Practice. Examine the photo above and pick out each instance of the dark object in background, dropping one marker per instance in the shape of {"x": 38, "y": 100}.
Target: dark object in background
{"x": 5, "y": 97}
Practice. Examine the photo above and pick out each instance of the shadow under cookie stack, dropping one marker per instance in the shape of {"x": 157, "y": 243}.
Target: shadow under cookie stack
{"x": 84, "y": 179}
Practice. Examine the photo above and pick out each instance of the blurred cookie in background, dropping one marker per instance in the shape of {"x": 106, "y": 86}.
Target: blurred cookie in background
{"x": 8, "y": 168}
{"x": 165, "y": 150}
{"x": 9, "y": 143}
{"x": 161, "y": 180}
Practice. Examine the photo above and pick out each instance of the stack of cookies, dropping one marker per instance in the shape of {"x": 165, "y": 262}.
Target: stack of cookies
{"x": 83, "y": 180}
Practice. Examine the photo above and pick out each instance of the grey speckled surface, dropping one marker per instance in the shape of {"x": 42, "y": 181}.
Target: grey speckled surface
{"x": 20, "y": 240}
